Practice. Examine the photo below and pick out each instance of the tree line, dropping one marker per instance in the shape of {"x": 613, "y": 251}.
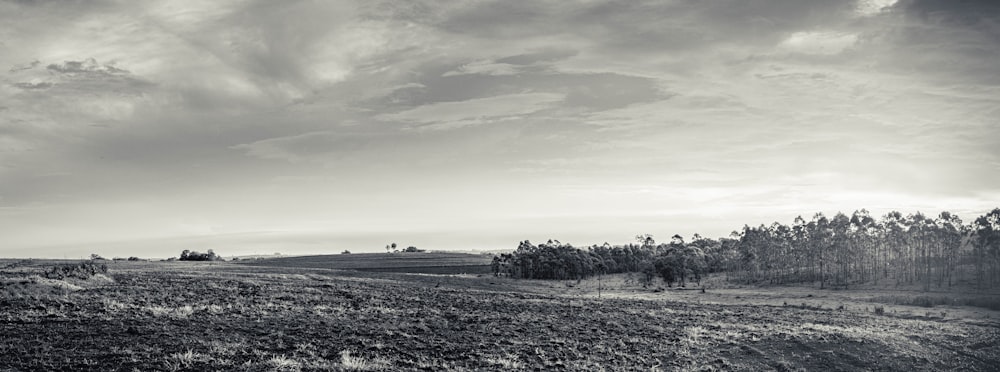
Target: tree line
{"x": 840, "y": 251}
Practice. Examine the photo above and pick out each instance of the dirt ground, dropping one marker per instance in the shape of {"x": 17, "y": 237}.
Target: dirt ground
{"x": 188, "y": 316}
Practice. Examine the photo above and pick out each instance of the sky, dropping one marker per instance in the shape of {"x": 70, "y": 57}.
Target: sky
{"x": 142, "y": 128}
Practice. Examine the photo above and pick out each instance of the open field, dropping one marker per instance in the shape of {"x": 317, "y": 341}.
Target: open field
{"x": 224, "y": 316}
{"x": 424, "y": 262}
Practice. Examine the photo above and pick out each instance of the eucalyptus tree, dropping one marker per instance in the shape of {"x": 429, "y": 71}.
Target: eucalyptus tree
{"x": 949, "y": 229}
{"x": 987, "y": 247}
{"x": 895, "y": 231}
{"x": 921, "y": 232}
{"x": 840, "y": 227}
{"x": 820, "y": 234}
{"x": 864, "y": 231}
{"x": 800, "y": 247}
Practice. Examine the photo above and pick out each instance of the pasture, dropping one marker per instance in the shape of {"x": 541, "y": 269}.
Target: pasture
{"x": 258, "y": 317}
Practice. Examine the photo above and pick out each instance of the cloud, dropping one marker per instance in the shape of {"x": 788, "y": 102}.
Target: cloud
{"x": 485, "y": 68}
{"x": 547, "y": 54}
{"x": 298, "y": 147}
{"x": 799, "y": 104}
{"x": 85, "y": 67}
{"x": 450, "y": 115}
{"x": 814, "y": 42}
{"x": 26, "y": 66}
{"x": 873, "y": 7}
{"x": 34, "y": 85}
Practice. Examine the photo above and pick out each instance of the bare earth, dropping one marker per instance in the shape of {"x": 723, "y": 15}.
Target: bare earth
{"x": 223, "y": 316}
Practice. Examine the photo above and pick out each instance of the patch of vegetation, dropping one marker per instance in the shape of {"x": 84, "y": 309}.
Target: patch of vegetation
{"x": 83, "y": 270}
{"x": 986, "y": 302}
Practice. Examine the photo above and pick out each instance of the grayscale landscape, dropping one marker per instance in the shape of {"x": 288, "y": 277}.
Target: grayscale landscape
{"x": 484, "y": 185}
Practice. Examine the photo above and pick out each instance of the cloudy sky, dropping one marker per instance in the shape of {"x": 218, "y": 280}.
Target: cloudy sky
{"x": 144, "y": 128}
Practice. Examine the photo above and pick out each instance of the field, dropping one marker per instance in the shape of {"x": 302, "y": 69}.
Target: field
{"x": 225, "y": 316}
{"x": 426, "y": 262}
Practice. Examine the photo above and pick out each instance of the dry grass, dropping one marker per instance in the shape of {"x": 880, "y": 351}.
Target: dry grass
{"x": 356, "y": 363}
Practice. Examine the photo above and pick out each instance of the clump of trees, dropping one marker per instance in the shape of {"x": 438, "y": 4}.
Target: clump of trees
{"x": 676, "y": 262}
{"x": 840, "y": 251}
{"x": 849, "y": 249}
{"x": 391, "y": 248}
{"x": 187, "y": 255}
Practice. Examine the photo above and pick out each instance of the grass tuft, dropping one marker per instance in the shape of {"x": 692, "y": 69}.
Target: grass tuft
{"x": 355, "y": 363}
{"x": 283, "y": 363}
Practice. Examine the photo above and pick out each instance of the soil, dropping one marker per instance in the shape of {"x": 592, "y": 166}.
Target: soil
{"x": 232, "y": 317}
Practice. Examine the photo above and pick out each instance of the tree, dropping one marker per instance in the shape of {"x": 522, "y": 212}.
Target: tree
{"x": 820, "y": 235}
{"x": 987, "y": 247}
{"x": 920, "y": 229}
{"x": 949, "y": 228}
{"x": 345, "y": 252}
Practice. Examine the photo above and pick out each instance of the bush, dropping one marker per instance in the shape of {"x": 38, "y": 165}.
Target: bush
{"x": 83, "y": 270}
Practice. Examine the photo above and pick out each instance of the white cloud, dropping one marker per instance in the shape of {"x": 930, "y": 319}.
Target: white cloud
{"x": 293, "y": 148}
{"x": 873, "y": 7}
{"x": 476, "y": 111}
{"x": 485, "y": 68}
{"x": 819, "y": 42}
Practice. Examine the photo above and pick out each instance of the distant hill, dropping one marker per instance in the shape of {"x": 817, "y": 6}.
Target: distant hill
{"x": 426, "y": 263}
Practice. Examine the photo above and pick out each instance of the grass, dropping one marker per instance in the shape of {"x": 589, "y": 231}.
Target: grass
{"x": 356, "y": 363}
{"x": 282, "y": 363}
{"x": 931, "y": 300}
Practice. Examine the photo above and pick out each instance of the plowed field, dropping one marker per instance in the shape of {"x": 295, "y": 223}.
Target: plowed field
{"x": 230, "y": 317}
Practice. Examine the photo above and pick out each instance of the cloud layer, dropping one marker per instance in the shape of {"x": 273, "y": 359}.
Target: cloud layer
{"x": 584, "y": 121}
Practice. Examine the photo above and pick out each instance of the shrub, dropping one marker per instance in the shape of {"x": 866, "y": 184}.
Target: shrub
{"x": 83, "y": 270}
{"x": 879, "y": 310}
